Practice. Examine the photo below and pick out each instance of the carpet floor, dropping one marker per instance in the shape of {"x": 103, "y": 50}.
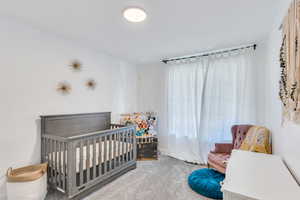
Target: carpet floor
{"x": 164, "y": 179}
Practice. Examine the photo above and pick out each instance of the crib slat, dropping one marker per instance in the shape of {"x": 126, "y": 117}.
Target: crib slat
{"x": 134, "y": 145}
{"x": 119, "y": 147}
{"x": 94, "y": 158}
{"x": 131, "y": 145}
{"x": 100, "y": 157}
{"x": 123, "y": 147}
{"x": 51, "y": 161}
{"x": 58, "y": 164}
{"x": 127, "y": 142}
{"x": 115, "y": 149}
{"x": 109, "y": 150}
{"x": 47, "y": 141}
{"x": 105, "y": 154}
{"x": 43, "y": 149}
{"x": 71, "y": 166}
{"x": 64, "y": 168}
{"x": 61, "y": 165}
{"x": 87, "y": 168}
{"x": 80, "y": 162}
{"x": 54, "y": 162}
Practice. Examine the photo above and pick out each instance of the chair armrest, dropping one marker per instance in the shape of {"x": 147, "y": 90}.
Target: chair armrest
{"x": 223, "y": 148}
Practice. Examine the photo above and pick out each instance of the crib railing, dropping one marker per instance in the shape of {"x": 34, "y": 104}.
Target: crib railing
{"x": 79, "y": 162}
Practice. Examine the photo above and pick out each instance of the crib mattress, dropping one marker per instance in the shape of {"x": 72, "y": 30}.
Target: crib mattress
{"x": 113, "y": 150}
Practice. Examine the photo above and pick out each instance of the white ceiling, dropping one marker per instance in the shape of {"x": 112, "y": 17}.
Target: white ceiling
{"x": 173, "y": 27}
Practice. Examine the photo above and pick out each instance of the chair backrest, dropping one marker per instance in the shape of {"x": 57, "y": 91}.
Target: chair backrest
{"x": 239, "y": 133}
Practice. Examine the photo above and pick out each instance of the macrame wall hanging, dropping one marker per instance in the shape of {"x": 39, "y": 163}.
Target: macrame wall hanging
{"x": 290, "y": 64}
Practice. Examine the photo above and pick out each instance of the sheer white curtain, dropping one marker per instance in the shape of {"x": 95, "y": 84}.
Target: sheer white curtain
{"x": 204, "y": 99}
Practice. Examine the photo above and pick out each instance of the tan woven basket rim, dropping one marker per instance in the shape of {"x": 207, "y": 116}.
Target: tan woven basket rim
{"x": 26, "y": 174}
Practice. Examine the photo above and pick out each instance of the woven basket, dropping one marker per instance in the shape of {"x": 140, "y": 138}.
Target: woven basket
{"x": 26, "y": 174}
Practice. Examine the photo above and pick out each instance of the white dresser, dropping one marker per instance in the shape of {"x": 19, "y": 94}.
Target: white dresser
{"x": 254, "y": 176}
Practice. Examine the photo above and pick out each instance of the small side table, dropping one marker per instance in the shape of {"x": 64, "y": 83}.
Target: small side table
{"x": 147, "y": 147}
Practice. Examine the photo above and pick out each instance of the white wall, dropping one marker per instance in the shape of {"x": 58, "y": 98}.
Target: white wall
{"x": 32, "y": 63}
{"x": 150, "y": 86}
{"x": 286, "y": 137}
{"x": 151, "y": 93}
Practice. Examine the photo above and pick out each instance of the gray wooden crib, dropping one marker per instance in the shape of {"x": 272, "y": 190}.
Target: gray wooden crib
{"x": 85, "y": 151}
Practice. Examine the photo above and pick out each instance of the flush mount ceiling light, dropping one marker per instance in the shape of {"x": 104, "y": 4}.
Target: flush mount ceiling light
{"x": 134, "y": 14}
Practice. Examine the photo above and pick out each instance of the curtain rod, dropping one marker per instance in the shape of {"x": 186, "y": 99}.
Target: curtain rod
{"x": 166, "y": 60}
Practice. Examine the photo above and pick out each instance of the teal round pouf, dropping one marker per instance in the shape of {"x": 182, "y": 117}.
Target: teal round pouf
{"x": 207, "y": 183}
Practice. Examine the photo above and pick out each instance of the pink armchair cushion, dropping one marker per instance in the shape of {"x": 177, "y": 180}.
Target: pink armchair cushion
{"x": 223, "y": 148}
{"x": 218, "y": 161}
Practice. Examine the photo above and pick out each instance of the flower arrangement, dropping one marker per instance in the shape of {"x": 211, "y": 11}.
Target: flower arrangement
{"x": 146, "y": 122}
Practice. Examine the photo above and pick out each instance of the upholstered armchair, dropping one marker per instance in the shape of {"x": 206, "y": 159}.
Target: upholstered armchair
{"x": 218, "y": 158}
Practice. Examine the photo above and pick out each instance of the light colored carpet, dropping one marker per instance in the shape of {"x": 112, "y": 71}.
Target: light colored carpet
{"x": 165, "y": 179}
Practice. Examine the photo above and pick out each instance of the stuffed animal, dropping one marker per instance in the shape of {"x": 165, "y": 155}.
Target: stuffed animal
{"x": 145, "y": 122}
